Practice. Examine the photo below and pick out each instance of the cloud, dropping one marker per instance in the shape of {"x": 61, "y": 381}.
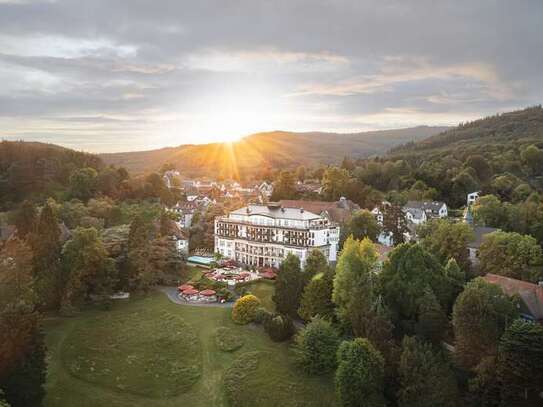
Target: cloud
{"x": 169, "y": 72}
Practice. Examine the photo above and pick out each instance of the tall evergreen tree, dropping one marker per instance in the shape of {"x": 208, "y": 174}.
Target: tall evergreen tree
{"x": 520, "y": 364}
{"x": 411, "y": 271}
{"x": 426, "y": 378}
{"x": 46, "y": 247}
{"x": 432, "y": 321}
{"x": 26, "y": 219}
{"x": 457, "y": 279}
{"x": 394, "y": 222}
{"x": 315, "y": 263}
{"x": 289, "y": 286}
{"x": 317, "y": 297}
{"x": 23, "y": 384}
{"x": 359, "y": 376}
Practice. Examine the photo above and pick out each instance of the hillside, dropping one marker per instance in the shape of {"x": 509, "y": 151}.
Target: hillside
{"x": 501, "y": 155}
{"x": 277, "y": 149}
{"x": 497, "y": 133}
{"x": 31, "y": 169}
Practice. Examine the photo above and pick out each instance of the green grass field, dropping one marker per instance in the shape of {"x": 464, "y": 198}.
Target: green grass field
{"x": 151, "y": 352}
{"x": 264, "y": 291}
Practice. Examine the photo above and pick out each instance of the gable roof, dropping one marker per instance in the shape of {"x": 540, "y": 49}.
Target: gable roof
{"x": 530, "y": 294}
{"x": 479, "y": 232}
{"x": 417, "y": 213}
{"x": 338, "y": 211}
{"x": 427, "y": 206}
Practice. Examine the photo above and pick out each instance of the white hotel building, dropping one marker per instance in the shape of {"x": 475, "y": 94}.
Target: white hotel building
{"x": 263, "y": 235}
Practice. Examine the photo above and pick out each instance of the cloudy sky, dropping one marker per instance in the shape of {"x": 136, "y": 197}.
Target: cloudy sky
{"x": 111, "y": 75}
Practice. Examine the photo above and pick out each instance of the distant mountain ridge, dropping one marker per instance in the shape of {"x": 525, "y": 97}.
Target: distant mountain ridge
{"x": 276, "y": 149}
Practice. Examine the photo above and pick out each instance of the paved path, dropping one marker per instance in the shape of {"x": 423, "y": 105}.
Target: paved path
{"x": 171, "y": 293}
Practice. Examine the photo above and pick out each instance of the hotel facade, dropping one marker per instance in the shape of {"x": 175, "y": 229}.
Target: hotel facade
{"x": 263, "y": 235}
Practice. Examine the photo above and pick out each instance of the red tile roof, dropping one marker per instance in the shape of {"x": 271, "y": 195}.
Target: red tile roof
{"x": 531, "y": 294}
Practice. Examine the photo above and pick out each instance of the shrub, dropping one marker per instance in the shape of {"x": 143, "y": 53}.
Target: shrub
{"x": 279, "y": 327}
{"x": 316, "y": 347}
{"x": 262, "y": 315}
{"x": 227, "y": 340}
{"x": 244, "y": 310}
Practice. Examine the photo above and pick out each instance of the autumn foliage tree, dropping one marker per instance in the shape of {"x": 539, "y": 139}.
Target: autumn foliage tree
{"x": 245, "y": 309}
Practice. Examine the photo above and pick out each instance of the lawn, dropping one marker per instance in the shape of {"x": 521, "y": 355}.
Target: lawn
{"x": 151, "y": 352}
{"x": 263, "y": 289}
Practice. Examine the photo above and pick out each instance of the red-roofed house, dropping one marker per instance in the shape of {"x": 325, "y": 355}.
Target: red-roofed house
{"x": 531, "y": 295}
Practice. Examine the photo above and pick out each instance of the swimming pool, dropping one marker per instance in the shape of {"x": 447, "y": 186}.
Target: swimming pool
{"x": 204, "y": 261}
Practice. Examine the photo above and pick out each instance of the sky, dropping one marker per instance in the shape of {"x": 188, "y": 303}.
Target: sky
{"x": 112, "y": 75}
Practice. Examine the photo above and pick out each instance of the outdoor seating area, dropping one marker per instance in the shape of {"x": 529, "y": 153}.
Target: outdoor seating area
{"x": 232, "y": 275}
{"x": 190, "y": 294}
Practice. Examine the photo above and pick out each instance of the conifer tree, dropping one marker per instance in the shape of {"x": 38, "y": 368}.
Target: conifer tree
{"x": 426, "y": 378}
{"x": 289, "y": 286}
{"x": 520, "y": 363}
{"x": 26, "y": 219}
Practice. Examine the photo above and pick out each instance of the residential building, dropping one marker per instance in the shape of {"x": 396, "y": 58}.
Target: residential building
{"x": 530, "y": 295}
{"x": 421, "y": 211}
{"x": 385, "y": 238}
{"x": 472, "y": 197}
{"x": 185, "y": 212}
{"x": 479, "y": 233}
{"x": 266, "y": 189}
{"x": 263, "y": 235}
{"x": 181, "y": 239}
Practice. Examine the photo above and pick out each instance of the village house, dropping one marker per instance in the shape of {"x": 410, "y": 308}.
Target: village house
{"x": 185, "y": 212}
{"x": 385, "y": 238}
{"x": 263, "y": 235}
{"x": 266, "y": 189}
{"x": 479, "y": 233}
{"x": 422, "y": 211}
{"x": 472, "y": 197}
{"x": 181, "y": 239}
{"x": 529, "y": 294}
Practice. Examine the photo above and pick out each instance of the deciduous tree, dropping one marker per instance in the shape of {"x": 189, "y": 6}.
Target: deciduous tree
{"x": 480, "y": 315}
{"x": 511, "y": 255}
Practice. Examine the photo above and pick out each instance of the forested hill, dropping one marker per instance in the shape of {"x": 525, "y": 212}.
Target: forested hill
{"x": 502, "y": 132}
{"x": 271, "y": 150}
{"x": 30, "y": 169}
{"x": 501, "y": 155}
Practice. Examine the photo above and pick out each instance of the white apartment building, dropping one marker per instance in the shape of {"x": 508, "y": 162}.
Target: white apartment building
{"x": 263, "y": 235}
